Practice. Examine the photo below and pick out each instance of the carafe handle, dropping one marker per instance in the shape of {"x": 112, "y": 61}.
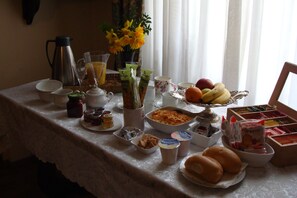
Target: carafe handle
{"x": 46, "y": 48}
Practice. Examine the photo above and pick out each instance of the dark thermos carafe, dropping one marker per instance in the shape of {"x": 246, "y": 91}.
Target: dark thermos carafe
{"x": 63, "y": 63}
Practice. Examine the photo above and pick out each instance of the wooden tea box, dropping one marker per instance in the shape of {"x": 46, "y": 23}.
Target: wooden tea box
{"x": 280, "y": 119}
{"x": 285, "y": 148}
{"x": 112, "y": 83}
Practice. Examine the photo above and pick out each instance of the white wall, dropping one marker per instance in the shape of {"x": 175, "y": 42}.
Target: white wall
{"x": 22, "y": 47}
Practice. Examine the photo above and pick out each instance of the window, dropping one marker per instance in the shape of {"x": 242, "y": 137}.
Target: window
{"x": 241, "y": 43}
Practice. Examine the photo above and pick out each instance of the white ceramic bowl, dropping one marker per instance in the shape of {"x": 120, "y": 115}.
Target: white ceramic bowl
{"x": 253, "y": 159}
{"x": 169, "y": 128}
{"x": 143, "y": 150}
{"x": 202, "y": 140}
{"x": 123, "y": 140}
{"x": 46, "y": 87}
{"x": 60, "y": 97}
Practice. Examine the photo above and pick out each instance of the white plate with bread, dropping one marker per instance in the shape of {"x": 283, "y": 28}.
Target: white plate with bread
{"x": 215, "y": 167}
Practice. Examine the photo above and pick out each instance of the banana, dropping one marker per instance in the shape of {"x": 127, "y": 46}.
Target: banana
{"x": 214, "y": 93}
{"x": 223, "y": 98}
{"x": 205, "y": 90}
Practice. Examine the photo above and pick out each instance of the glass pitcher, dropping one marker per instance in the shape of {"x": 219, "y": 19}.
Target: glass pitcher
{"x": 95, "y": 63}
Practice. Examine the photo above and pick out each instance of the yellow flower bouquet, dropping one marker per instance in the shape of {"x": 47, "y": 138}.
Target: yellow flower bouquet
{"x": 128, "y": 37}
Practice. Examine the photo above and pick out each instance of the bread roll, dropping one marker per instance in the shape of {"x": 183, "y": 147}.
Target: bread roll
{"x": 229, "y": 160}
{"x": 207, "y": 168}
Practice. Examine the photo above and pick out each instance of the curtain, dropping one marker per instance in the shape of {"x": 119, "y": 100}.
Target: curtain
{"x": 243, "y": 44}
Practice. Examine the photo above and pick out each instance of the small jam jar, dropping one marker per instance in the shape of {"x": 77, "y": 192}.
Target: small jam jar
{"x": 107, "y": 119}
{"x": 75, "y": 106}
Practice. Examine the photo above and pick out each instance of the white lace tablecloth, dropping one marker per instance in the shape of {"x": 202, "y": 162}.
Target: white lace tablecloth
{"x": 107, "y": 168}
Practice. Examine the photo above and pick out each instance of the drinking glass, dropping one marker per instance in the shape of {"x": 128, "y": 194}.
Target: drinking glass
{"x": 80, "y": 70}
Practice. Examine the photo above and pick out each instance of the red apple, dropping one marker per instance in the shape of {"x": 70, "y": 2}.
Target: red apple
{"x": 204, "y": 83}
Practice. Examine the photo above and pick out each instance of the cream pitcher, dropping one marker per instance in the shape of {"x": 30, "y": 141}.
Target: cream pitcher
{"x": 63, "y": 63}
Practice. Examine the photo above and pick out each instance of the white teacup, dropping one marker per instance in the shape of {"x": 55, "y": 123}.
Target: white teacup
{"x": 46, "y": 87}
{"x": 60, "y": 97}
{"x": 168, "y": 100}
{"x": 163, "y": 84}
{"x": 185, "y": 85}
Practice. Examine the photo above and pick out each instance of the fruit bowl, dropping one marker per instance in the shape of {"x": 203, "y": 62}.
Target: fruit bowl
{"x": 208, "y": 113}
{"x": 235, "y": 95}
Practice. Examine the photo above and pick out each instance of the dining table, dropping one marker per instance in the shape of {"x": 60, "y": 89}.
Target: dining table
{"x": 105, "y": 167}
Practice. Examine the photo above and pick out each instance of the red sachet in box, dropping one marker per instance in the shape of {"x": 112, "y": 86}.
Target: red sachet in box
{"x": 252, "y": 136}
{"x": 273, "y": 131}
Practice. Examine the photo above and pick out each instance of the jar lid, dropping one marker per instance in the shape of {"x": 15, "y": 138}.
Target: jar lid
{"x": 107, "y": 115}
{"x": 181, "y": 135}
{"x": 76, "y": 95}
{"x": 169, "y": 143}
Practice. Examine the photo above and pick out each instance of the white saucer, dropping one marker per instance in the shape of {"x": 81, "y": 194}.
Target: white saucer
{"x": 159, "y": 104}
{"x": 117, "y": 124}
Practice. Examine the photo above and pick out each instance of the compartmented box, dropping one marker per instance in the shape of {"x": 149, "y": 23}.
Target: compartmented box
{"x": 279, "y": 115}
{"x": 113, "y": 82}
{"x": 285, "y": 147}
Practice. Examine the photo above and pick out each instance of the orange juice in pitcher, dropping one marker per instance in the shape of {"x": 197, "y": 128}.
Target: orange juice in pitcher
{"x": 96, "y": 70}
{"x": 96, "y": 66}
{"x": 100, "y": 71}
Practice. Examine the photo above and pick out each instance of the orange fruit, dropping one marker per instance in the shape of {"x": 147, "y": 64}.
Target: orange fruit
{"x": 193, "y": 94}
